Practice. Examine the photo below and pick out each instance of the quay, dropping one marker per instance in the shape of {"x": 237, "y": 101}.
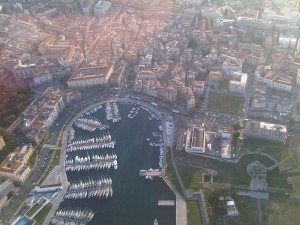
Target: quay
{"x": 166, "y": 203}
{"x": 152, "y": 173}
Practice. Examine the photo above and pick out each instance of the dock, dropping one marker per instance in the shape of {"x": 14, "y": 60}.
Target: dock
{"x": 166, "y": 203}
{"x": 150, "y": 172}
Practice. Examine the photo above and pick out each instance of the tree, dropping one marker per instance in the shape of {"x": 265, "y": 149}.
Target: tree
{"x": 192, "y": 43}
{"x": 215, "y": 202}
{"x": 236, "y": 126}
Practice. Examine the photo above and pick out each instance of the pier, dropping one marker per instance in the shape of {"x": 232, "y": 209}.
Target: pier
{"x": 150, "y": 172}
{"x": 166, "y": 203}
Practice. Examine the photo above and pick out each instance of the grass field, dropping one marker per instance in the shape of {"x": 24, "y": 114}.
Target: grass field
{"x": 193, "y": 213}
{"x": 283, "y": 210}
{"x": 276, "y": 150}
{"x": 237, "y": 173}
{"x": 225, "y": 103}
{"x": 248, "y": 211}
{"x": 41, "y": 216}
{"x": 190, "y": 176}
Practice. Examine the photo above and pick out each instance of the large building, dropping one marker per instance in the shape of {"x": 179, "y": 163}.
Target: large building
{"x": 195, "y": 140}
{"x": 267, "y": 131}
{"x": 276, "y": 80}
{"x": 90, "y": 77}
{"x": 14, "y": 166}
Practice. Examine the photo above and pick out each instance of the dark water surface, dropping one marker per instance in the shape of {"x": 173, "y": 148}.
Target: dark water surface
{"x": 134, "y": 200}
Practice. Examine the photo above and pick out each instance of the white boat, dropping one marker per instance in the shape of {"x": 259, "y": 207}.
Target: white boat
{"x": 155, "y": 222}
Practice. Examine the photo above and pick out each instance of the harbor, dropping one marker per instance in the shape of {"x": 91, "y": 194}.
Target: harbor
{"x": 139, "y": 151}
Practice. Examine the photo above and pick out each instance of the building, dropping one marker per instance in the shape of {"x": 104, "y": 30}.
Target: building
{"x": 146, "y": 75}
{"x": 6, "y": 187}
{"x": 198, "y": 87}
{"x": 253, "y": 23}
{"x": 211, "y": 15}
{"x": 259, "y": 100}
{"x": 277, "y": 80}
{"x": 195, "y": 140}
{"x": 267, "y": 131}
{"x": 87, "y": 7}
{"x": 238, "y": 82}
{"x": 90, "y": 77}
{"x": 24, "y": 72}
{"x": 2, "y": 143}
{"x": 189, "y": 98}
{"x": 14, "y": 170}
{"x": 42, "y": 78}
{"x": 41, "y": 113}
{"x": 101, "y": 8}
{"x": 287, "y": 19}
{"x": 298, "y": 77}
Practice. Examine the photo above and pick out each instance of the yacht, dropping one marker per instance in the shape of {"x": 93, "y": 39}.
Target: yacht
{"x": 155, "y": 222}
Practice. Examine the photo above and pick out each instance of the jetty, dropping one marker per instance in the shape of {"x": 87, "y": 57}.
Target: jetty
{"x": 166, "y": 203}
{"x": 150, "y": 173}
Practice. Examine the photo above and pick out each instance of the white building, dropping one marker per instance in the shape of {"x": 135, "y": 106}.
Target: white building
{"x": 101, "y": 8}
{"x": 277, "y": 80}
{"x": 211, "y": 14}
{"x": 238, "y": 84}
{"x": 298, "y": 77}
{"x": 90, "y": 77}
{"x": 195, "y": 140}
{"x": 289, "y": 18}
{"x": 40, "y": 79}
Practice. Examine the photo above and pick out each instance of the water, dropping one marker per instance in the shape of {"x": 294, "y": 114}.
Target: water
{"x": 134, "y": 200}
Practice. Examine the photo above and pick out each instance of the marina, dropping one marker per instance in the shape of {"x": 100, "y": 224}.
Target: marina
{"x": 93, "y": 156}
{"x": 72, "y": 216}
{"x": 90, "y": 124}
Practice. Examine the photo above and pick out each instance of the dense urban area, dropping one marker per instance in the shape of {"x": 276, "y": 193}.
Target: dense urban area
{"x": 222, "y": 77}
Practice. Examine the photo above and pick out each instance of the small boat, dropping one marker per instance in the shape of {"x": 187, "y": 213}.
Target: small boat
{"x": 155, "y": 222}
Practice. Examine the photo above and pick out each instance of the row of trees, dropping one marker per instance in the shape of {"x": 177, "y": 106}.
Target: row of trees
{"x": 11, "y": 143}
{"x": 14, "y": 106}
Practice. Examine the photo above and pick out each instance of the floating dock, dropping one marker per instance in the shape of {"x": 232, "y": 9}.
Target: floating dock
{"x": 150, "y": 172}
{"x": 166, "y": 203}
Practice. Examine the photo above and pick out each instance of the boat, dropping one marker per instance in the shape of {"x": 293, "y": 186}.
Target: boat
{"x": 155, "y": 222}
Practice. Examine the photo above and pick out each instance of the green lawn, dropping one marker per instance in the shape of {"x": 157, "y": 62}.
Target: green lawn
{"x": 191, "y": 176}
{"x": 278, "y": 210}
{"x": 34, "y": 208}
{"x": 278, "y": 153}
{"x": 276, "y": 150}
{"x": 41, "y": 216}
{"x": 225, "y": 103}
{"x": 236, "y": 174}
{"x": 171, "y": 175}
{"x": 283, "y": 210}
{"x": 32, "y": 159}
{"x": 193, "y": 213}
